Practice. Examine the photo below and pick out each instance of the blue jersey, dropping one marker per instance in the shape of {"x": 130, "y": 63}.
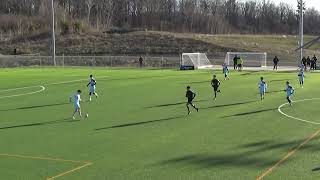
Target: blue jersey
{"x": 262, "y": 86}
{"x": 301, "y": 75}
{"x": 76, "y": 99}
{"x": 225, "y": 70}
{"x": 92, "y": 82}
{"x": 289, "y": 90}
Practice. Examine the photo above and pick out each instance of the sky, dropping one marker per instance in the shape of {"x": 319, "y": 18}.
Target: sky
{"x": 309, "y": 3}
{"x": 293, "y": 3}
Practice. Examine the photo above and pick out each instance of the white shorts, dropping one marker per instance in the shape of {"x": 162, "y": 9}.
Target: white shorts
{"x": 76, "y": 106}
{"x": 92, "y": 89}
{"x": 262, "y": 91}
{"x": 301, "y": 79}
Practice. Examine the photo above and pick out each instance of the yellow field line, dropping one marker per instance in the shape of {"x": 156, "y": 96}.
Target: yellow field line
{"x": 53, "y": 159}
{"x": 69, "y": 171}
{"x": 42, "y": 158}
{"x": 289, "y": 154}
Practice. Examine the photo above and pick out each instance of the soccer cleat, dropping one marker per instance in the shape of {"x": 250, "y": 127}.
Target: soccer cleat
{"x": 73, "y": 118}
{"x": 189, "y": 112}
{"x": 197, "y": 109}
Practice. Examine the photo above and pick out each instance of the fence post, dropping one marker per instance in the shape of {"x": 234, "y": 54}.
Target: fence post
{"x": 161, "y": 61}
{"x": 40, "y": 60}
{"x": 63, "y": 60}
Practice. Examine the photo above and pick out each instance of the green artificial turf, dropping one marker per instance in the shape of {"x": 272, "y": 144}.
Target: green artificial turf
{"x": 138, "y": 128}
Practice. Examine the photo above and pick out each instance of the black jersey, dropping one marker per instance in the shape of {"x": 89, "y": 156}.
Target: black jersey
{"x": 215, "y": 83}
{"x": 190, "y": 95}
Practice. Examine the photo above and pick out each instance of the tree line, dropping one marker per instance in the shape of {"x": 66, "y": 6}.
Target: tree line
{"x": 196, "y": 16}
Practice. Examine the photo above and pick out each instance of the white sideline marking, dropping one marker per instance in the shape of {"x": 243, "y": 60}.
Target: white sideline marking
{"x": 298, "y": 119}
{"x": 42, "y": 87}
{"x": 23, "y": 94}
{"x": 6, "y": 90}
{"x": 79, "y": 80}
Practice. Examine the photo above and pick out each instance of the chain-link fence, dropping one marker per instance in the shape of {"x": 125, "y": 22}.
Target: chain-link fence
{"x": 102, "y": 61}
{"x": 150, "y": 61}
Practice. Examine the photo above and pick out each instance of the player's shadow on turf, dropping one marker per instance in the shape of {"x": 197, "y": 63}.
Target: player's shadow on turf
{"x": 171, "y": 104}
{"x": 275, "y": 91}
{"x": 251, "y": 112}
{"x": 40, "y": 123}
{"x": 279, "y": 80}
{"x": 267, "y": 145}
{"x": 232, "y": 104}
{"x": 316, "y": 169}
{"x": 249, "y": 73}
{"x": 200, "y": 82}
{"x": 34, "y": 107}
{"x": 139, "y": 123}
{"x": 219, "y": 160}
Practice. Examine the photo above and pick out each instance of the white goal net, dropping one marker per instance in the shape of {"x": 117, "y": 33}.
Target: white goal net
{"x": 198, "y": 60}
{"x": 250, "y": 59}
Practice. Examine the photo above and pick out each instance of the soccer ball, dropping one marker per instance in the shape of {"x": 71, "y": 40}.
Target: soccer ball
{"x": 87, "y": 115}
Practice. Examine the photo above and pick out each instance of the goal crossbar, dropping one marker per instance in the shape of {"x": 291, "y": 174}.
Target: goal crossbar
{"x": 197, "y": 60}
{"x": 254, "y": 59}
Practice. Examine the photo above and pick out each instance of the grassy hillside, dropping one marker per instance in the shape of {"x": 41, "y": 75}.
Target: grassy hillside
{"x": 156, "y": 43}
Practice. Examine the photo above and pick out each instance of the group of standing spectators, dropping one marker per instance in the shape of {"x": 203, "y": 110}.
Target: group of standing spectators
{"x": 309, "y": 62}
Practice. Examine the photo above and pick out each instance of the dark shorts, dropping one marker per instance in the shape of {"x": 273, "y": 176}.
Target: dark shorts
{"x": 190, "y": 101}
{"x": 215, "y": 88}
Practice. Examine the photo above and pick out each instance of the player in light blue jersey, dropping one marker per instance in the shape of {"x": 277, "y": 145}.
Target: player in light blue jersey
{"x": 289, "y": 91}
{"x": 262, "y": 88}
{"x": 76, "y": 102}
{"x": 301, "y": 77}
{"x": 225, "y": 71}
{"x": 92, "y": 87}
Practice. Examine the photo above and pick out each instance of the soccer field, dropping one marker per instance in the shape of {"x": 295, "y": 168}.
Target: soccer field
{"x": 138, "y": 129}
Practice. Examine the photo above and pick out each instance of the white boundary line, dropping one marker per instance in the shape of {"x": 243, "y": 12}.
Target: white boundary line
{"x": 17, "y": 95}
{"x": 13, "y": 89}
{"x": 298, "y": 119}
{"x": 42, "y": 87}
{"x": 79, "y": 80}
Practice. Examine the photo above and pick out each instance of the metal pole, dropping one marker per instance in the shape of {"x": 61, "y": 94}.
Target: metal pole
{"x": 53, "y": 35}
{"x": 301, "y": 29}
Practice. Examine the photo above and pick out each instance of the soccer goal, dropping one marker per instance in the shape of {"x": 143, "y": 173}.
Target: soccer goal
{"x": 196, "y": 60}
{"x": 250, "y": 59}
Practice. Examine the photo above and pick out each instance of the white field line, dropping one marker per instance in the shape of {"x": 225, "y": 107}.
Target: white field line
{"x": 13, "y": 89}
{"x": 79, "y": 80}
{"x": 23, "y": 94}
{"x": 298, "y": 119}
{"x": 42, "y": 87}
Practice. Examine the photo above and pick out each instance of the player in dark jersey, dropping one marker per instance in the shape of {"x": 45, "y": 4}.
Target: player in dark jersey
{"x": 215, "y": 83}
{"x": 92, "y": 87}
{"x": 190, "y": 96}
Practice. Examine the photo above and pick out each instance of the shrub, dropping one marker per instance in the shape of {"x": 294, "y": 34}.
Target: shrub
{"x": 64, "y": 27}
{"x": 77, "y": 26}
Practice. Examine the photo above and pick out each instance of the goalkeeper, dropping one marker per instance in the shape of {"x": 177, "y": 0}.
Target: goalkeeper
{"x": 240, "y": 64}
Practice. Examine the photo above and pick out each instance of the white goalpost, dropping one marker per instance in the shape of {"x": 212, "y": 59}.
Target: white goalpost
{"x": 197, "y": 60}
{"x": 250, "y": 59}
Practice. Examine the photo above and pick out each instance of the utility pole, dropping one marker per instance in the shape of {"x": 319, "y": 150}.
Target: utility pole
{"x": 53, "y": 35}
{"x": 301, "y": 7}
